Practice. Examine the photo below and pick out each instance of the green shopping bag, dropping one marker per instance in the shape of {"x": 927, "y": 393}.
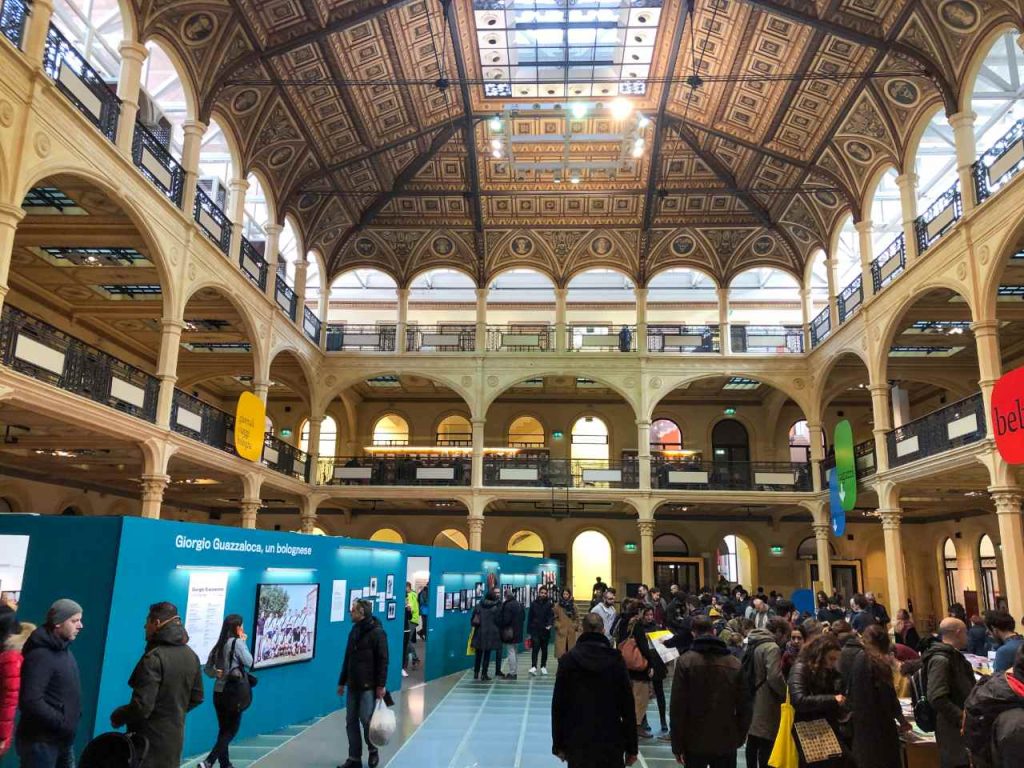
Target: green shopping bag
{"x": 784, "y": 753}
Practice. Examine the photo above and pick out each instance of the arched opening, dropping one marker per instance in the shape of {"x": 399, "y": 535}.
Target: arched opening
{"x": 6, "y": 506}
{"x": 391, "y": 430}
{"x": 800, "y": 442}
{"x": 735, "y": 561}
{"x": 389, "y": 535}
{"x": 988, "y": 564}
{"x": 362, "y": 312}
{"x": 442, "y": 311}
{"x": 71, "y": 511}
{"x": 164, "y": 101}
{"x": 886, "y": 213}
{"x": 526, "y": 432}
{"x": 454, "y": 430}
{"x": 589, "y": 448}
{"x": 451, "y": 538}
{"x": 520, "y": 312}
{"x": 526, "y": 543}
{"x": 665, "y": 435}
{"x": 601, "y": 311}
{"x": 765, "y": 312}
{"x": 674, "y": 565}
{"x": 95, "y": 29}
{"x": 682, "y": 312}
{"x": 328, "y": 444}
{"x": 951, "y": 573}
{"x": 591, "y": 558}
{"x": 808, "y": 549}
{"x": 848, "y": 273}
{"x": 730, "y": 444}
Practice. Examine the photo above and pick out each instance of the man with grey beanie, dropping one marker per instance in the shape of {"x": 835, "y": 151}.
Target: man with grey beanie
{"x": 51, "y": 691}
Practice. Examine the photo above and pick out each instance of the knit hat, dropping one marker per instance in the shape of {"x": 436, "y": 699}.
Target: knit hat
{"x": 61, "y": 611}
{"x": 9, "y": 624}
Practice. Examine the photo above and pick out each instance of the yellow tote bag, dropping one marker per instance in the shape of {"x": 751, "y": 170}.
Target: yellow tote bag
{"x": 784, "y": 753}
{"x": 470, "y": 651}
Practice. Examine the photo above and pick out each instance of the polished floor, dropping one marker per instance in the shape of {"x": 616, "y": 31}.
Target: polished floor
{"x": 452, "y": 722}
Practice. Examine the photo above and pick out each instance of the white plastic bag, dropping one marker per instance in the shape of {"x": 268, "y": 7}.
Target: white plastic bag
{"x": 382, "y": 725}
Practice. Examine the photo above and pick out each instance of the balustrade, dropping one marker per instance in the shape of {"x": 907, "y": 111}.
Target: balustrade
{"x": 683, "y": 338}
{"x": 767, "y": 339}
{"x": 440, "y": 338}
{"x": 821, "y": 327}
{"x": 608, "y": 340}
{"x": 212, "y": 220}
{"x": 545, "y": 472}
{"x": 13, "y": 15}
{"x": 999, "y": 164}
{"x": 939, "y": 218}
{"x": 285, "y": 295}
{"x": 403, "y": 470}
{"x": 157, "y": 164}
{"x": 252, "y": 264}
{"x": 949, "y": 427}
{"x": 850, "y": 299}
{"x": 361, "y": 338}
{"x": 520, "y": 338}
{"x": 311, "y": 325}
{"x": 695, "y": 475}
{"x": 81, "y": 83}
{"x": 285, "y": 458}
{"x": 890, "y": 263}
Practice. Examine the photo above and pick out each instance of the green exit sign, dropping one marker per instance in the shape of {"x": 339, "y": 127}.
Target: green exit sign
{"x": 285, "y": 432}
{"x": 631, "y": 546}
{"x": 557, "y": 435}
{"x": 776, "y": 551}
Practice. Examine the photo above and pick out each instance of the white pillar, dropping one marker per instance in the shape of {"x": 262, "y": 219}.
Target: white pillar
{"x": 477, "y": 466}
{"x": 833, "y": 293}
{"x": 153, "y": 487}
{"x": 824, "y": 555}
{"x": 129, "y": 82}
{"x": 561, "y": 319}
{"x": 194, "y": 131}
{"x": 250, "y": 509}
{"x": 167, "y": 368}
{"x": 900, "y": 405}
{"x": 646, "y": 551}
{"x": 882, "y": 415}
{"x": 36, "y": 26}
{"x": 481, "y": 319}
{"x": 261, "y": 389}
{"x": 724, "y": 335}
{"x": 641, "y": 319}
{"x": 476, "y": 532}
{"x": 307, "y": 514}
{"x": 990, "y": 365}
{"x": 402, "y": 342}
{"x": 807, "y": 314}
{"x": 966, "y": 153}
{"x": 643, "y": 454}
{"x": 817, "y": 454}
{"x": 10, "y": 215}
{"x": 867, "y": 254}
{"x": 907, "y": 184}
{"x": 236, "y": 212}
{"x": 895, "y": 564}
{"x": 313, "y": 448}
{"x": 271, "y": 252}
{"x": 1011, "y": 543}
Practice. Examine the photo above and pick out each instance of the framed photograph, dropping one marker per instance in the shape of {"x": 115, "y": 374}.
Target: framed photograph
{"x": 285, "y": 630}
{"x": 392, "y": 610}
{"x": 479, "y": 589}
{"x": 373, "y": 586}
{"x": 391, "y": 586}
{"x": 448, "y": 597}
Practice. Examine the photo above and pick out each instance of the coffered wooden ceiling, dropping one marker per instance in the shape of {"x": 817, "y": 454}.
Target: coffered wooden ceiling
{"x": 802, "y": 103}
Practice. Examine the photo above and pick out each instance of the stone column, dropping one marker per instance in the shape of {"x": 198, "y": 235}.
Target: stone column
{"x": 476, "y": 532}
{"x": 153, "y": 495}
{"x": 807, "y": 314}
{"x": 271, "y": 251}
{"x": 481, "y": 319}
{"x": 1011, "y": 542}
{"x": 641, "y": 319}
{"x": 561, "y": 321}
{"x": 895, "y": 565}
{"x": 966, "y": 153}
{"x": 313, "y": 448}
{"x": 194, "y": 131}
{"x": 882, "y": 416}
{"x": 307, "y": 514}
{"x": 250, "y": 509}
{"x": 990, "y": 365}
{"x": 167, "y": 369}
{"x": 236, "y": 212}
{"x": 129, "y": 82}
{"x": 907, "y": 184}
{"x": 402, "y": 342}
{"x": 646, "y": 551}
{"x": 36, "y": 26}
{"x": 10, "y": 215}
{"x": 833, "y": 293}
{"x": 301, "y": 270}
{"x": 724, "y": 335}
{"x": 323, "y": 307}
{"x": 261, "y": 389}
{"x": 824, "y": 555}
{"x": 477, "y": 473}
{"x": 867, "y": 254}
{"x": 643, "y": 454}
{"x": 817, "y": 455}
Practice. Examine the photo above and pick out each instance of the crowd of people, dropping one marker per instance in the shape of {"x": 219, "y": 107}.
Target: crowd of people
{"x": 746, "y": 661}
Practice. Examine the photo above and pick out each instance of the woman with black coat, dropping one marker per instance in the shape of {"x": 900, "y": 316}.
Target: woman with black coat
{"x": 875, "y": 707}
{"x": 815, "y": 690}
{"x": 486, "y": 635}
{"x": 657, "y": 667}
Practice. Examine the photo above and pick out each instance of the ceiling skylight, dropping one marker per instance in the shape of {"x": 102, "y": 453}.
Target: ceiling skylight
{"x": 566, "y": 48}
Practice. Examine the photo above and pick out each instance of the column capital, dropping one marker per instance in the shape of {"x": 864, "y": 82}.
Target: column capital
{"x": 821, "y": 530}
{"x": 985, "y": 327}
{"x": 643, "y": 423}
{"x": 250, "y": 509}
{"x": 194, "y": 128}
{"x": 481, "y": 293}
{"x": 878, "y": 389}
{"x": 891, "y": 519}
{"x": 132, "y": 50}
{"x": 475, "y": 523}
{"x": 1007, "y": 500}
{"x": 478, "y": 422}
{"x": 273, "y": 229}
{"x": 963, "y": 120}
{"x": 646, "y": 527}
{"x": 172, "y": 324}
{"x": 238, "y": 185}
{"x": 908, "y": 179}
{"x": 153, "y": 486}
{"x": 10, "y": 215}
{"x": 639, "y": 292}
{"x": 863, "y": 226}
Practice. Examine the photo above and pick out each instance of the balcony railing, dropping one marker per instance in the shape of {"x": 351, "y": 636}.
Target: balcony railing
{"x": 311, "y": 325}
{"x": 202, "y": 422}
{"x": 731, "y": 476}
{"x": 683, "y": 338}
{"x": 157, "y": 164}
{"x": 440, "y": 338}
{"x": 1000, "y": 164}
{"x": 453, "y": 439}
{"x": 361, "y": 338}
{"x": 284, "y": 458}
{"x": 821, "y": 327}
{"x": 533, "y": 338}
{"x": 284, "y": 295}
{"x": 80, "y": 83}
{"x": 212, "y": 220}
{"x": 767, "y": 339}
{"x": 544, "y": 472}
{"x": 252, "y": 264}
{"x": 610, "y": 340}
{"x": 39, "y": 350}
{"x": 13, "y": 14}
{"x": 851, "y": 297}
{"x": 949, "y": 427}
{"x": 864, "y": 458}
{"x": 890, "y": 263}
{"x": 939, "y": 218}
{"x": 406, "y": 470}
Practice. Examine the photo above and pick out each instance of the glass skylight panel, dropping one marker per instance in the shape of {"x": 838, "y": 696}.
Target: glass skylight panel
{"x": 739, "y": 382}
{"x": 558, "y": 49}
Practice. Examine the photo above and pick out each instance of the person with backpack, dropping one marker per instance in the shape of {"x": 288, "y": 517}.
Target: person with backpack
{"x": 633, "y": 649}
{"x": 659, "y": 670}
{"x": 877, "y": 716}
{"x": 228, "y": 661}
{"x": 510, "y": 622}
{"x": 486, "y": 635}
{"x": 166, "y": 684}
{"x": 765, "y": 687}
{"x": 948, "y": 682}
{"x": 994, "y": 718}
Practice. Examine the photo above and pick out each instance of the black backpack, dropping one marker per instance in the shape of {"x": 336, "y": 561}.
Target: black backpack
{"x": 981, "y": 710}
{"x": 924, "y": 712}
{"x": 115, "y": 750}
{"x": 748, "y": 669}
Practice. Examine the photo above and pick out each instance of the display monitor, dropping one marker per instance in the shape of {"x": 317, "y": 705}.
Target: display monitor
{"x": 285, "y": 624}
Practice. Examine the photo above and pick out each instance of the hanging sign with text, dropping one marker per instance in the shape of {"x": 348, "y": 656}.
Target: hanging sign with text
{"x": 846, "y": 466}
{"x": 1008, "y": 416}
{"x": 250, "y": 426}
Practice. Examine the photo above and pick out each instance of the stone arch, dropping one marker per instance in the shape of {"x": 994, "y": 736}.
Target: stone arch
{"x": 794, "y": 388}
{"x": 692, "y": 267}
{"x": 983, "y": 46}
{"x": 227, "y": 128}
{"x": 188, "y": 85}
{"x": 500, "y": 388}
{"x": 916, "y": 134}
{"x": 257, "y": 343}
{"x": 307, "y": 369}
{"x": 871, "y": 188}
{"x": 335, "y": 390}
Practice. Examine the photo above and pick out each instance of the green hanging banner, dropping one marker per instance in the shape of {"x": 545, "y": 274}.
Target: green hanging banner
{"x": 846, "y": 466}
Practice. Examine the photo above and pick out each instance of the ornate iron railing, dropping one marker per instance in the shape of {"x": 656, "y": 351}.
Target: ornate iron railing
{"x": 311, "y": 325}
{"x": 440, "y": 338}
{"x": 851, "y": 297}
{"x": 864, "y": 458}
{"x": 252, "y": 264}
{"x": 361, "y": 338}
{"x": 285, "y": 458}
{"x": 81, "y": 83}
{"x": 939, "y": 218}
{"x": 767, "y": 339}
{"x": 407, "y": 469}
{"x": 949, "y": 427}
{"x": 889, "y": 264}
{"x": 157, "y": 164}
{"x": 999, "y": 164}
{"x": 683, "y": 338}
{"x": 13, "y": 15}
{"x": 621, "y": 340}
{"x": 684, "y": 474}
{"x": 202, "y": 422}
{"x": 453, "y": 439}
{"x": 821, "y": 327}
{"x": 36, "y": 349}
{"x": 545, "y": 472}
{"x": 533, "y": 338}
{"x": 285, "y": 295}
{"x": 212, "y": 221}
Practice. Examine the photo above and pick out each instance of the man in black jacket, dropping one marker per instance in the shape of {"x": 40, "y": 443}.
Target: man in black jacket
{"x": 948, "y": 682}
{"x": 593, "y": 724}
{"x": 510, "y": 624}
{"x": 538, "y": 624}
{"x": 51, "y": 691}
{"x": 167, "y": 684}
{"x": 365, "y": 672}
{"x": 994, "y": 725}
{"x": 710, "y": 708}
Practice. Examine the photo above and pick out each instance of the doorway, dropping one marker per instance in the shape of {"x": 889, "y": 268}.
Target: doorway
{"x": 730, "y": 450}
{"x": 591, "y": 559}
{"x": 673, "y": 564}
{"x": 417, "y": 574}
{"x": 846, "y": 576}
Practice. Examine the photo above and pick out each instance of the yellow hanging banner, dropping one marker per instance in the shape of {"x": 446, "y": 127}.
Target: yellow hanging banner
{"x": 250, "y": 426}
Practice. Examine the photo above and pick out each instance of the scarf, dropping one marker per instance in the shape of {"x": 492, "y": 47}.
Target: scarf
{"x": 568, "y": 605}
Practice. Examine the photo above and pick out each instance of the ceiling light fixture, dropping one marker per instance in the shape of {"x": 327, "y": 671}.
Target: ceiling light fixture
{"x": 497, "y": 154}
{"x": 574, "y": 179}
{"x": 496, "y": 124}
{"x": 579, "y": 109}
{"x": 642, "y": 122}
{"x": 495, "y": 143}
{"x": 621, "y": 109}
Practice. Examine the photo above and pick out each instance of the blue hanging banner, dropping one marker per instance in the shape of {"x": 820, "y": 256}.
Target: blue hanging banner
{"x": 835, "y": 504}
